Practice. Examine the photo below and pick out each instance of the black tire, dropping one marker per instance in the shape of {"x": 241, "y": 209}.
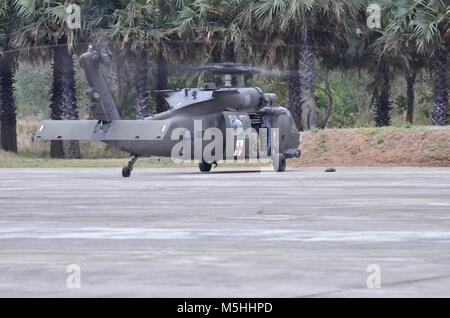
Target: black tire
{"x": 279, "y": 162}
{"x": 204, "y": 166}
{"x": 126, "y": 172}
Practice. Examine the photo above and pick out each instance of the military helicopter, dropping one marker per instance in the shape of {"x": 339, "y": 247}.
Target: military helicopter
{"x": 192, "y": 112}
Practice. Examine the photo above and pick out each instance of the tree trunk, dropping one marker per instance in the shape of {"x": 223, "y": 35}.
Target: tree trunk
{"x": 69, "y": 103}
{"x": 8, "y": 65}
{"x": 382, "y": 116}
{"x": 439, "y": 115}
{"x": 122, "y": 82}
{"x": 142, "y": 86}
{"x": 295, "y": 92}
{"x": 72, "y": 149}
{"x": 8, "y": 123}
{"x": 325, "y": 114}
{"x": 307, "y": 78}
{"x": 63, "y": 102}
{"x": 229, "y": 53}
{"x": 56, "y": 112}
{"x": 410, "y": 95}
{"x": 161, "y": 81}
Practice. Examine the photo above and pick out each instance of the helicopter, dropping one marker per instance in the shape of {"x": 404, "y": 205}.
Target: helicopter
{"x": 213, "y": 111}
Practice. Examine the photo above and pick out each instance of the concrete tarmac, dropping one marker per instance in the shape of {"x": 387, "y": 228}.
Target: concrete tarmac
{"x": 232, "y": 233}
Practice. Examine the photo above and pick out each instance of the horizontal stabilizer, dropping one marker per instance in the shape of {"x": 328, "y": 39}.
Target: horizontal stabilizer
{"x": 94, "y": 130}
{"x": 66, "y": 130}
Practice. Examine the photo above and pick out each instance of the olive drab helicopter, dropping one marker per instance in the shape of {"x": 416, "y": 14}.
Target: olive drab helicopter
{"x": 219, "y": 106}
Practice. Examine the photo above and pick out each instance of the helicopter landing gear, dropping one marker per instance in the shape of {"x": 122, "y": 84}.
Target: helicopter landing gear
{"x": 279, "y": 162}
{"x": 126, "y": 171}
{"x": 204, "y": 166}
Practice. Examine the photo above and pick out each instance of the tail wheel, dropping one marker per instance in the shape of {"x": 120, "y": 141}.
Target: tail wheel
{"x": 279, "y": 162}
{"x": 204, "y": 166}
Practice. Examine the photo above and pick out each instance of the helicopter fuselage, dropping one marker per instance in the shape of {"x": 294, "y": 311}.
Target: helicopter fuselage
{"x": 234, "y": 120}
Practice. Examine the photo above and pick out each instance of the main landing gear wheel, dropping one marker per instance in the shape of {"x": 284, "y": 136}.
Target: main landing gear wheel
{"x": 279, "y": 162}
{"x": 204, "y": 166}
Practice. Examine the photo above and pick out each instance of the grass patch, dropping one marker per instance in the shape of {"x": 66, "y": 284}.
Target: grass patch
{"x": 97, "y": 155}
{"x": 354, "y": 150}
{"x": 323, "y": 141}
{"x": 11, "y": 160}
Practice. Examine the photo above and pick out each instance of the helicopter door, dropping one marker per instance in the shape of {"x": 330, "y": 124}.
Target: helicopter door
{"x": 240, "y": 148}
{"x": 265, "y": 133}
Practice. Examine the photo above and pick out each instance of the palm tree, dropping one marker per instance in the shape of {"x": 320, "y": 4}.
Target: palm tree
{"x": 273, "y": 47}
{"x": 416, "y": 31}
{"x": 42, "y": 22}
{"x": 356, "y": 49}
{"x": 146, "y": 30}
{"x": 301, "y": 23}
{"x": 8, "y": 64}
{"x": 161, "y": 78}
{"x": 213, "y": 29}
{"x": 169, "y": 48}
{"x": 431, "y": 32}
{"x": 64, "y": 102}
{"x": 382, "y": 97}
{"x": 133, "y": 26}
{"x": 397, "y": 45}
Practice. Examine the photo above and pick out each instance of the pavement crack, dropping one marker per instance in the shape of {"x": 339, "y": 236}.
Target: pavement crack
{"x": 418, "y": 280}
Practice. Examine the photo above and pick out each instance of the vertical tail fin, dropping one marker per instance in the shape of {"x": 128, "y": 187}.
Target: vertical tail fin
{"x": 103, "y": 106}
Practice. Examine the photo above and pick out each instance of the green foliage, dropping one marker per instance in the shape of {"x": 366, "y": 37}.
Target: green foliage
{"x": 348, "y": 100}
{"x": 424, "y": 112}
{"x": 265, "y": 33}
{"x": 431, "y": 24}
{"x": 273, "y": 85}
{"x": 32, "y": 87}
{"x": 400, "y": 103}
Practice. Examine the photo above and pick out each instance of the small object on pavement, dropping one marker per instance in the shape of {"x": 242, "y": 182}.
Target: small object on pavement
{"x": 330, "y": 170}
